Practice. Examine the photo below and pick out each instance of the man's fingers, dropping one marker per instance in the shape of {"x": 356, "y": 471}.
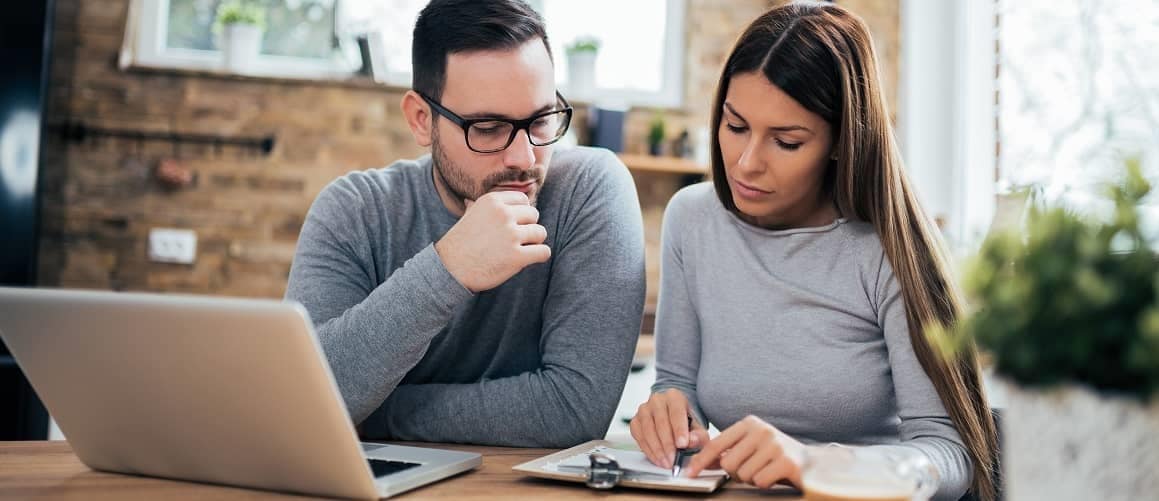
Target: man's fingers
{"x": 524, "y": 214}
{"x": 531, "y": 233}
{"x": 509, "y": 197}
{"x": 536, "y": 253}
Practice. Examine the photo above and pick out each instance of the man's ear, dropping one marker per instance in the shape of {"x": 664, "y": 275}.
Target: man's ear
{"x": 418, "y": 117}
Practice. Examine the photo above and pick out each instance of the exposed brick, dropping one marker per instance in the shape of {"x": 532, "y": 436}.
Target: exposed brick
{"x": 100, "y": 200}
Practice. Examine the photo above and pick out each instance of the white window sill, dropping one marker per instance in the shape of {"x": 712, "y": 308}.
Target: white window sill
{"x": 340, "y": 80}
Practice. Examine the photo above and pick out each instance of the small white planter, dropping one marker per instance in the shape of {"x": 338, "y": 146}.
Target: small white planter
{"x": 581, "y": 74}
{"x": 1074, "y": 443}
{"x": 241, "y": 44}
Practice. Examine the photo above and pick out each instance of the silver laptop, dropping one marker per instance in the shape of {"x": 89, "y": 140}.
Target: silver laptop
{"x": 225, "y": 391}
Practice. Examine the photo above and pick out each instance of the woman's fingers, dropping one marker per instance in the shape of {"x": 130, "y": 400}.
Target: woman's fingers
{"x": 697, "y": 436}
{"x": 678, "y": 416}
{"x": 779, "y": 469}
{"x": 739, "y": 454}
{"x": 648, "y": 440}
{"x": 664, "y": 432}
{"x": 712, "y": 450}
{"x": 765, "y": 453}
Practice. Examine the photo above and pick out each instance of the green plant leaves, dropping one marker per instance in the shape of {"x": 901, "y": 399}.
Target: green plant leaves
{"x": 1071, "y": 299}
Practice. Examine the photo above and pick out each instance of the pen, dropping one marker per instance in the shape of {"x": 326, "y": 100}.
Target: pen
{"x": 682, "y": 454}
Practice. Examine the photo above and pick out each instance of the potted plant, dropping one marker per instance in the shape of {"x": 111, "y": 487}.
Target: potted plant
{"x": 581, "y": 66}
{"x": 241, "y": 24}
{"x": 656, "y": 136}
{"x": 1069, "y": 313}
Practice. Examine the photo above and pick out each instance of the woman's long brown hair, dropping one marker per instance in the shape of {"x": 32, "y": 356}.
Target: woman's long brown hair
{"x": 822, "y": 56}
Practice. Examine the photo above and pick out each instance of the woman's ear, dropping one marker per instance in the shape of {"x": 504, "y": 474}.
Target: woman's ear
{"x": 418, "y": 117}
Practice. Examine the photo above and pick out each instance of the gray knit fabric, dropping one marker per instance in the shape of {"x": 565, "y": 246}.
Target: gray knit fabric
{"x": 804, "y": 328}
{"x": 539, "y": 361}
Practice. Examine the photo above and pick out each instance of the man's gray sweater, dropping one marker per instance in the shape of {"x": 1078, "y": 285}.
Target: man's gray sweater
{"x": 539, "y": 361}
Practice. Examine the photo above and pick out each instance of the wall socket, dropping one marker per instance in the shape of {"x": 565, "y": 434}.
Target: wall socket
{"x": 168, "y": 245}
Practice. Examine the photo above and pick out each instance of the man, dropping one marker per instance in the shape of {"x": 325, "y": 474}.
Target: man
{"x": 490, "y": 292}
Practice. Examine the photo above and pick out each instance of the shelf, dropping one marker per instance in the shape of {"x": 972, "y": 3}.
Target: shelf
{"x": 337, "y": 79}
{"x": 671, "y": 165}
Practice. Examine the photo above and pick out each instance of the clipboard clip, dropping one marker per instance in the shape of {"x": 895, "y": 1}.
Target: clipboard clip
{"x": 604, "y": 472}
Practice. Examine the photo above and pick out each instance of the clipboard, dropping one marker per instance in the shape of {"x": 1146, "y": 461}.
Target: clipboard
{"x": 563, "y": 465}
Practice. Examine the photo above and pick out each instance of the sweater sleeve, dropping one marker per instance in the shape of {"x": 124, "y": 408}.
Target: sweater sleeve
{"x": 591, "y": 320}
{"x": 677, "y": 325}
{"x": 925, "y": 425}
{"x": 370, "y": 336}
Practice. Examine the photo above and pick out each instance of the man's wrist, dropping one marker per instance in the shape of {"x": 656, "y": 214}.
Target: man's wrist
{"x": 446, "y": 255}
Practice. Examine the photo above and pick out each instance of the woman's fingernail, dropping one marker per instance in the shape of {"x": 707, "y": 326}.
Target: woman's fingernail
{"x": 682, "y": 442}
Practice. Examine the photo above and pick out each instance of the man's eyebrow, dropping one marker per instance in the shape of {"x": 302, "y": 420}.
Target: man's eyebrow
{"x": 488, "y": 114}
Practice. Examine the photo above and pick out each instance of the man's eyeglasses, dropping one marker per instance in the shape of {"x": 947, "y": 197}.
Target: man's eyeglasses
{"x": 489, "y": 135}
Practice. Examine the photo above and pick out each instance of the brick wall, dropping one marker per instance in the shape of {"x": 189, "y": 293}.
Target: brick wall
{"x": 100, "y": 198}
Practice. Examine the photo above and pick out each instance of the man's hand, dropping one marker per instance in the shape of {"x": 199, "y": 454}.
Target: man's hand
{"x": 497, "y": 236}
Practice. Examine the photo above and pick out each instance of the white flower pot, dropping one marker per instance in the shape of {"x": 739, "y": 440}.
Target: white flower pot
{"x": 1074, "y": 443}
{"x": 581, "y": 74}
{"x": 241, "y": 45}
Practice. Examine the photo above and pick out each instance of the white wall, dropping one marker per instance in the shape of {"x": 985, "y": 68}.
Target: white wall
{"x": 946, "y": 111}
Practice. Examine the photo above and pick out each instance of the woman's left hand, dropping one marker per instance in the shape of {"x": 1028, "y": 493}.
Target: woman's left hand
{"x": 753, "y": 452}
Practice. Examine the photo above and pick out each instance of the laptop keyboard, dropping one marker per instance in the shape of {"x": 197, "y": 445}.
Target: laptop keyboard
{"x": 382, "y": 467}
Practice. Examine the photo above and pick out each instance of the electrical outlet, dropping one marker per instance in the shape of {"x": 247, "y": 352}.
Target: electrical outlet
{"x": 167, "y": 245}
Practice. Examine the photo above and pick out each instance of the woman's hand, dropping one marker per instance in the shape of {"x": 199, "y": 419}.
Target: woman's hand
{"x": 753, "y": 452}
{"x": 662, "y": 424}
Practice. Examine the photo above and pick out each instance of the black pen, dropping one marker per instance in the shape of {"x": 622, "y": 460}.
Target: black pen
{"x": 682, "y": 454}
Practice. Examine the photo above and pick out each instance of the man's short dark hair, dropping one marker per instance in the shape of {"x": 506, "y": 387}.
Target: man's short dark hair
{"x": 446, "y": 27}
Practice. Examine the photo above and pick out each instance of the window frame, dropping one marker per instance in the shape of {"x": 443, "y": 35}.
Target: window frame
{"x": 148, "y": 26}
{"x": 145, "y": 46}
{"x": 671, "y": 93}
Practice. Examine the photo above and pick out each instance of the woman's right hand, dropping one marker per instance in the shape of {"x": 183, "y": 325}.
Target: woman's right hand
{"x": 665, "y": 423}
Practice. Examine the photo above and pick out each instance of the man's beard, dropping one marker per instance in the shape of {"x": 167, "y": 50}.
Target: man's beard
{"x": 456, "y": 181}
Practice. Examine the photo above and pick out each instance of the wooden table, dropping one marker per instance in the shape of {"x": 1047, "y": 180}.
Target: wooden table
{"x": 50, "y": 470}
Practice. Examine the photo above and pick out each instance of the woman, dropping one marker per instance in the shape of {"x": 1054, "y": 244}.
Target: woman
{"x": 795, "y": 287}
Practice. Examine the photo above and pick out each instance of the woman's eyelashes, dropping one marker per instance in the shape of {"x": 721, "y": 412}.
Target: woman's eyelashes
{"x": 788, "y": 146}
{"x": 741, "y": 129}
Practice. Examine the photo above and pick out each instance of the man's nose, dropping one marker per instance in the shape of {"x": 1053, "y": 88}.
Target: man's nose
{"x": 520, "y": 154}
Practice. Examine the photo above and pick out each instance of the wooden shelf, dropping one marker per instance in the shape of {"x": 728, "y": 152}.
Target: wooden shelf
{"x": 671, "y": 165}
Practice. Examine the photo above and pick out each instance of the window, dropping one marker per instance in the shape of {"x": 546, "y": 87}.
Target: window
{"x": 391, "y": 23}
{"x": 300, "y": 37}
{"x": 640, "y": 57}
{"x": 641, "y": 47}
{"x": 640, "y": 60}
{"x": 1079, "y": 91}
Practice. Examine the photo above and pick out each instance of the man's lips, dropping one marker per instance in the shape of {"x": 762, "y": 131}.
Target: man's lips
{"x": 524, "y": 187}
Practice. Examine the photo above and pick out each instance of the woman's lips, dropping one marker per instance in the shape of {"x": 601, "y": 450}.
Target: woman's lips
{"x": 748, "y": 191}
